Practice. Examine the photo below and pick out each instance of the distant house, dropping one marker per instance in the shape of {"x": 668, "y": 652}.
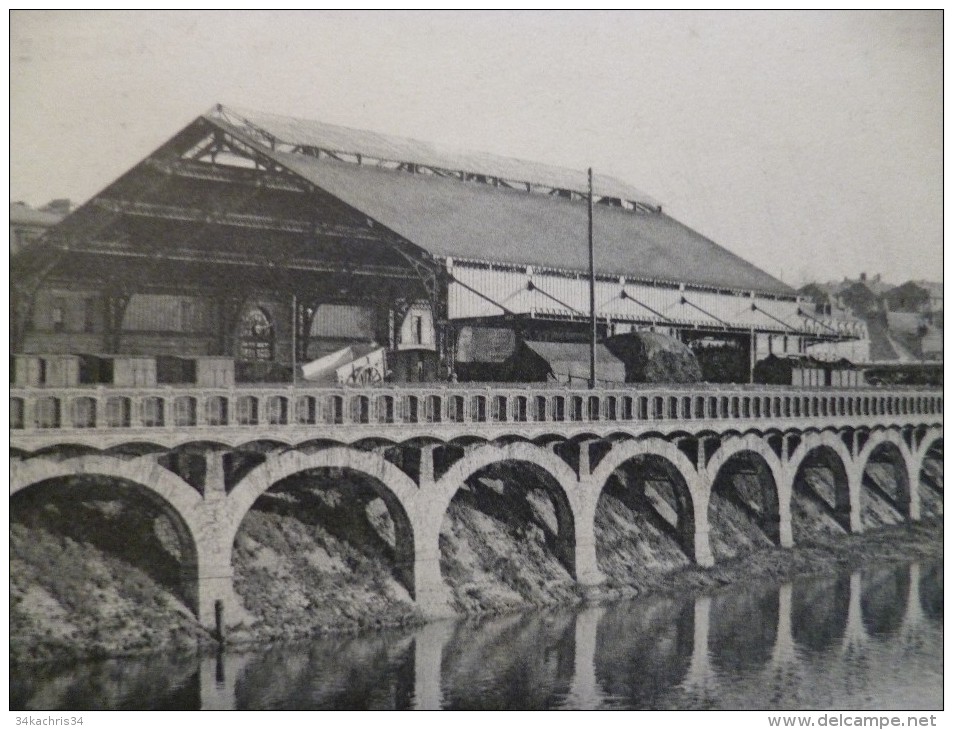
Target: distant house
{"x": 909, "y": 297}
{"x": 903, "y": 323}
{"x": 859, "y": 299}
{"x": 27, "y": 224}
{"x": 935, "y": 290}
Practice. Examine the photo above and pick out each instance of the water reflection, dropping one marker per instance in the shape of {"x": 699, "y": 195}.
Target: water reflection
{"x": 646, "y": 649}
{"x": 744, "y": 625}
{"x": 516, "y": 661}
{"x": 870, "y": 640}
{"x": 819, "y": 611}
{"x": 883, "y": 599}
{"x": 931, "y": 590}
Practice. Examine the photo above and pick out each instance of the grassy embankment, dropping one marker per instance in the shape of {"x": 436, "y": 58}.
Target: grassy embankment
{"x": 318, "y": 557}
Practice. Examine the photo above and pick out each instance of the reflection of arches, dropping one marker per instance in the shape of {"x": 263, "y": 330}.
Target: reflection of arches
{"x": 651, "y": 640}
{"x": 819, "y": 612}
{"x": 175, "y": 499}
{"x": 883, "y": 598}
{"x": 519, "y": 660}
{"x": 388, "y": 482}
{"x": 931, "y": 590}
{"x": 585, "y": 692}
{"x": 256, "y": 335}
{"x": 743, "y": 628}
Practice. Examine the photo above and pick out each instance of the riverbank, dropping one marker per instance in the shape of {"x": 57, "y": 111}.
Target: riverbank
{"x": 895, "y": 544}
{"x": 318, "y": 559}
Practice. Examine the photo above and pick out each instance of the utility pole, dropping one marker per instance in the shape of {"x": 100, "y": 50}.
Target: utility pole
{"x": 592, "y": 297}
{"x": 294, "y": 339}
{"x": 752, "y": 356}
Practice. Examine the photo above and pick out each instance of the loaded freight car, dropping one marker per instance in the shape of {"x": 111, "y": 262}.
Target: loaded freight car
{"x": 806, "y": 371}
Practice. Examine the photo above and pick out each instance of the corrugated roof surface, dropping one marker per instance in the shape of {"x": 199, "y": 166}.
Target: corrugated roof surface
{"x": 448, "y": 217}
{"x": 572, "y": 360}
{"x": 310, "y": 133}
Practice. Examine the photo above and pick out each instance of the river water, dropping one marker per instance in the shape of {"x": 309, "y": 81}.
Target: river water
{"x": 869, "y": 640}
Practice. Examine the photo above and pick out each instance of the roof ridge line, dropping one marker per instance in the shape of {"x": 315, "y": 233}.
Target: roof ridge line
{"x": 624, "y": 191}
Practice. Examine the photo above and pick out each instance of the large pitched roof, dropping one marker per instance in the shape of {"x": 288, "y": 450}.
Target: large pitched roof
{"x": 449, "y": 217}
{"x": 304, "y": 133}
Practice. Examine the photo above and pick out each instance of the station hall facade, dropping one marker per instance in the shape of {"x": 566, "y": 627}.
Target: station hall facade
{"x": 276, "y": 242}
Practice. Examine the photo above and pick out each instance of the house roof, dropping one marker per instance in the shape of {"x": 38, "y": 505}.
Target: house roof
{"x": 934, "y": 287}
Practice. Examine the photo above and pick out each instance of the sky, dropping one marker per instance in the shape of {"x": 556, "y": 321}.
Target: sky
{"x": 809, "y": 143}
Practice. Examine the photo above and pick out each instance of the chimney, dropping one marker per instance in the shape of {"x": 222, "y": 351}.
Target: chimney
{"x": 863, "y": 276}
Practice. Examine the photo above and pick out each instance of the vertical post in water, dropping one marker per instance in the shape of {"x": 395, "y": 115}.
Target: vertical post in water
{"x": 220, "y": 620}
{"x": 592, "y": 297}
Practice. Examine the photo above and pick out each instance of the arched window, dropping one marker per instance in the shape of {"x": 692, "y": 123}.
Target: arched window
{"x": 257, "y": 336}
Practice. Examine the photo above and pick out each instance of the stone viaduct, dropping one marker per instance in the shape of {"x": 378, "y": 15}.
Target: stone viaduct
{"x": 207, "y": 455}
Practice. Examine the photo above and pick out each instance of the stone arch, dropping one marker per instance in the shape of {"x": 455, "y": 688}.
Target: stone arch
{"x": 907, "y": 499}
{"x": 828, "y": 450}
{"x": 932, "y": 435}
{"x": 143, "y": 471}
{"x": 483, "y": 456}
{"x": 574, "y": 532}
{"x": 180, "y": 502}
{"x": 774, "y": 508}
{"x": 932, "y": 438}
{"x": 692, "y": 518}
{"x": 390, "y": 483}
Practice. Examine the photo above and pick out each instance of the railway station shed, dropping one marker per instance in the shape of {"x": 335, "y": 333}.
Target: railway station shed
{"x": 276, "y": 241}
